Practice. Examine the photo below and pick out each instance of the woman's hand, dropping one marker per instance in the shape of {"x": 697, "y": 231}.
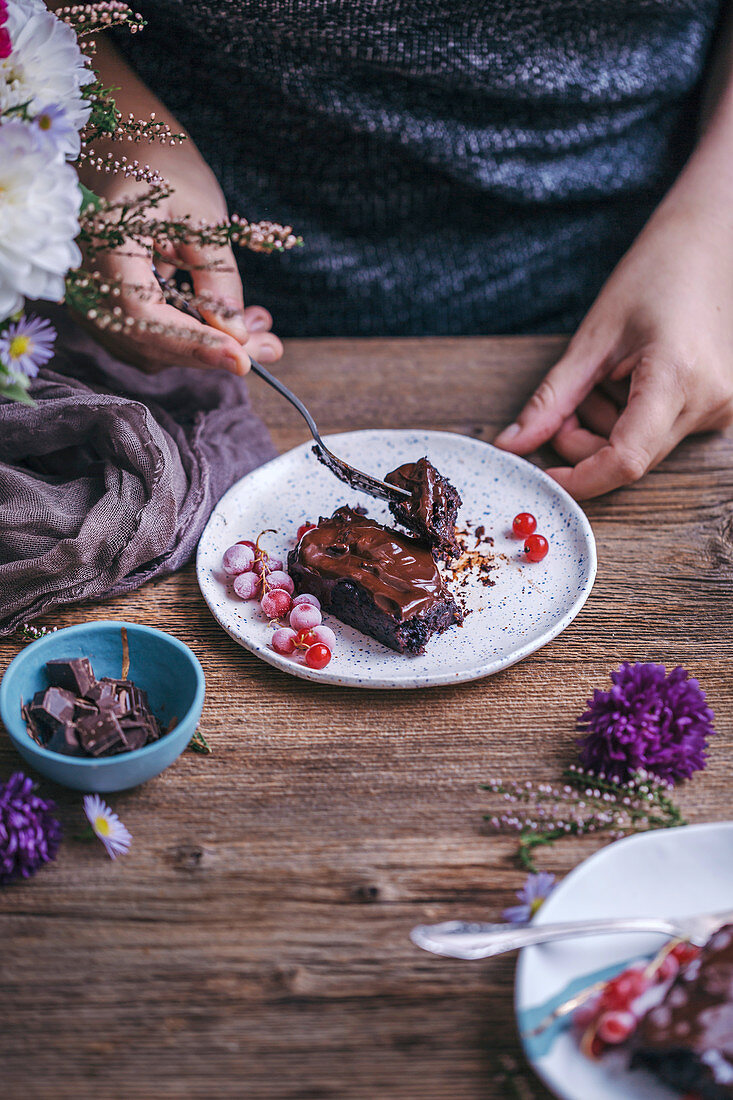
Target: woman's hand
{"x": 231, "y": 332}
{"x": 651, "y": 363}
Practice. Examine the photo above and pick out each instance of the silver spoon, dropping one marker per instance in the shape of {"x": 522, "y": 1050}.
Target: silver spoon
{"x": 354, "y": 478}
{"x": 460, "y": 939}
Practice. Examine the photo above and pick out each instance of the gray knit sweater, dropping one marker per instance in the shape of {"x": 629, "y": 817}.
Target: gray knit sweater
{"x": 454, "y": 166}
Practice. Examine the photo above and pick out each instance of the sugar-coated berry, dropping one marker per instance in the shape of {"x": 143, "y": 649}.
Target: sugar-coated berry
{"x": 248, "y": 542}
{"x": 246, "y": 585}
{"x": 306, "y": 638}
{"x": 536, "y": 547}
{"x": 524, "y": 524}
{"x": 318, "y": 655}
{"x": 275, "y": 603}
{"x": 324, "y": 634}
{"x": 305, "y": 616}
{"x": 283, "y": 640}
{"x": 305, "y": 527}
{"x": 614, "y": 1027}
{"x": 278, "y": 579}
{"x": 305, "y": 597}
{"x": 238, "y": 559}
{"x": 268, "y": 563}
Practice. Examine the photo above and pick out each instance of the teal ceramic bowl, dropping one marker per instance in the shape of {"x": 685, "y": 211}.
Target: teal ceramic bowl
{"x": 167, "y": 670}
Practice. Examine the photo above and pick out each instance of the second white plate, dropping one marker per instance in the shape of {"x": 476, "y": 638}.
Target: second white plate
{"x": 669, "y": 872}
{"x": 528, "y": 605}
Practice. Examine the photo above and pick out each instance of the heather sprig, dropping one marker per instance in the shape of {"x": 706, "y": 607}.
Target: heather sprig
{"x": 584, "y": 803}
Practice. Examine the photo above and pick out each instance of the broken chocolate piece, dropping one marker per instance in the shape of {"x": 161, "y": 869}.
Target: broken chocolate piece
{"x": 74, "y": 675}
{"x": 100, "y": 733}
{"x": 66, "y": 741}
{"x": 54, "y": 708}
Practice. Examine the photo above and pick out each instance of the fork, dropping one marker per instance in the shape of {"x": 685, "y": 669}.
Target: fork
{"x": 355, "y": 479}
{"x": 460, "y": 939}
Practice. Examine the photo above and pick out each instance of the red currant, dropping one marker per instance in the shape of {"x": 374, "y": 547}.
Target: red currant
{"x": 536, "y": 547}
{"x": 614, "y": 1027}
{"x": 524, "y": 524}
{"x": 685, "y": 953}
{"x": 304, "y": 528}
{"x": 318, "y": 655}
{"x": 668, "y": 968}
{"x": 625, "y": 988}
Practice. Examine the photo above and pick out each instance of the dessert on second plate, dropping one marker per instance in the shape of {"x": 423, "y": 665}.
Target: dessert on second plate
{"x": 377, "y": 580}
{"x": 433, "y": 507}
{"x": 687, "y": 1040}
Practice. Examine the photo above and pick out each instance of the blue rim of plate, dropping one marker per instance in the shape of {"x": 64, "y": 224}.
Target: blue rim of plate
{"x": 442, "y": 679}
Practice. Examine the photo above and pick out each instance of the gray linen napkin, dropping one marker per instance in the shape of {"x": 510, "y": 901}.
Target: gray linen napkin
{"x": 110, "y": 479}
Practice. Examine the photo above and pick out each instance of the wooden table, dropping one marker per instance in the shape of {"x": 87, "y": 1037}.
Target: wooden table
{"x": 254, "y": 941}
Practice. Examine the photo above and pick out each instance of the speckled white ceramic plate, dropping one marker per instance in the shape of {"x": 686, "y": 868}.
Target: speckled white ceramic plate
{"x": 672, "y": 872}
{"x": 528, "y": 605}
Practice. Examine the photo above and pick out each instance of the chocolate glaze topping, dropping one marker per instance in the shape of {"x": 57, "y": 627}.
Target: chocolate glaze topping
{"x": 396, "y": 569}
{"x": 692, "y": 1029}
{"x": 431, "y": 511}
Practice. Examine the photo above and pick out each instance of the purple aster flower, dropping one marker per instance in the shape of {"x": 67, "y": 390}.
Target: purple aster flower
{"x": 649, "y": 721}
{"x": 26, "y": 345}
{"x": 532, "y": 895}
{"x": 29, "y": 833}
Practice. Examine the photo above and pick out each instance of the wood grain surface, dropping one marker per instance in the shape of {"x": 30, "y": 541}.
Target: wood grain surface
{"x": 254, "y": 941}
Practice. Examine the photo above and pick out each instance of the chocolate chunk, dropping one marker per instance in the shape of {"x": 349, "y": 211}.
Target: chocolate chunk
{"x": 82, "y": 709}
{"x": 100, "y": 733}
{"x": 66, "y": 741}
{"x": 135, "y": 735}
{"x": 75, "y": 675}
{"x": 102, "y": 693}
{"x": 34, "y": 729}
{"x": 55, "y": 708}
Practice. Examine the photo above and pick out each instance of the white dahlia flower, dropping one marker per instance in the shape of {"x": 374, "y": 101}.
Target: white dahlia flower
{"x": 39, "y": 207}
{"x": 45, "y": 67}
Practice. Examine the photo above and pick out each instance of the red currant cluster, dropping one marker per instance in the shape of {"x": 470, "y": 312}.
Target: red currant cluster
{"x": 608, "y": 1018}
{"x": 258, "y": 574}
{"x": 535, "y": 546}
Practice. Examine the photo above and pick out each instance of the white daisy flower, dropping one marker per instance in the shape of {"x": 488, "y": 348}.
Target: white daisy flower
{"x": 45, "y": 66}
{"x": 39, "y": 208}
{"x": 107, "y": 826}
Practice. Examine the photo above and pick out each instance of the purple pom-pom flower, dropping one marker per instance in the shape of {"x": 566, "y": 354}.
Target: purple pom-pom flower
{"x": 29, "y": 832}
{"x": 649, "y": 721}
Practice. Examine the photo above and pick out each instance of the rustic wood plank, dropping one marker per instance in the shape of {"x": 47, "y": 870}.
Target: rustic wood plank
{"x": 254, "y": 942}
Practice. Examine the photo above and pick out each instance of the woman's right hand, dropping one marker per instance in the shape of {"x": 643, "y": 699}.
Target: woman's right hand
{"x": 169, "y": 337}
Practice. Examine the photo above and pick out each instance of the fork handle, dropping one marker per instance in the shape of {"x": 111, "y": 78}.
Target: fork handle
{"x": 466, "y": 940}
{"x": 283, "y": 390}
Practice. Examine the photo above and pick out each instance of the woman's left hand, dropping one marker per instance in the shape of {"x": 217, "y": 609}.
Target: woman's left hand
{"x": 651, "y": 363}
